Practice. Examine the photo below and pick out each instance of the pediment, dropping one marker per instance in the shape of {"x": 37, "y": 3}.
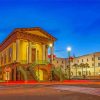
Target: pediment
{"x": 36, "y": 31}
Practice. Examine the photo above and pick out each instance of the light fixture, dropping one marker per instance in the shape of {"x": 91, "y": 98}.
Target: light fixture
{"x": 50, "y": 45}
{"x": 69, "y": 49}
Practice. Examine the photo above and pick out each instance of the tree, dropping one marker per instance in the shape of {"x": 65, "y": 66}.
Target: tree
{"x": 86, "y": 66}
{"x": 82, "y": 65}
{"x": 76, "y": 66}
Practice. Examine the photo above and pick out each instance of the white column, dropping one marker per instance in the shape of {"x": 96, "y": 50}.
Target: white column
{"x": 18, "y": 50}
{"x": 43, "y": 52}
{"x": 30, "y": 53}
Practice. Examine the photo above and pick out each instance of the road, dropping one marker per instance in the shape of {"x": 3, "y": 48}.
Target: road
{"x": 49, "y": 92}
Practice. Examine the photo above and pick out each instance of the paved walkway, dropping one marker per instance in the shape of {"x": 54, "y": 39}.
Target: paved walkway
{"x": 86, "y": 90}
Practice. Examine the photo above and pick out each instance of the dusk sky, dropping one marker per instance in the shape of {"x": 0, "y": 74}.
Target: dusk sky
{"x": 74, "y": 23}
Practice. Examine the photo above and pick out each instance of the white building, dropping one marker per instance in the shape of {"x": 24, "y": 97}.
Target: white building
{"x": 86, "y": 66}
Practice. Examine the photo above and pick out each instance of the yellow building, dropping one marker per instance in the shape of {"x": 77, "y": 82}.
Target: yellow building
{"x": 24, "y": 55}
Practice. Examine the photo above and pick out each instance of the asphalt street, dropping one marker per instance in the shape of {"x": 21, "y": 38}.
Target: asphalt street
{"x": 49, "y": 92}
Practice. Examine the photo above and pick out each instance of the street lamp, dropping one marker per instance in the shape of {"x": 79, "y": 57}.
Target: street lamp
{"x": 51, "y": 45}
{"x": 69, "y": 50}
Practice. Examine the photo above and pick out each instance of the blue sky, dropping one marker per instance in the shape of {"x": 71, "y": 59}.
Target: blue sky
{"x": 74, "y": 23}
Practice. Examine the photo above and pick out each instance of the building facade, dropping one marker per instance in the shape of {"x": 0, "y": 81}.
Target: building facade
{"x": 82, "y": 67}
{"x": 60, "y": 62}
{"x": 23, "y": 48}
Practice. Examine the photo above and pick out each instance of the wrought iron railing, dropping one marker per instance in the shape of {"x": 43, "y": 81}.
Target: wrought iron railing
{"x": 24, "y": 62}
{"x": 40, "y": 62}
{"x": 36, "y": 62}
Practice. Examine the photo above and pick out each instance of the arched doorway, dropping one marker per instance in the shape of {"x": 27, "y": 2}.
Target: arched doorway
{"x": 41, "y": 74}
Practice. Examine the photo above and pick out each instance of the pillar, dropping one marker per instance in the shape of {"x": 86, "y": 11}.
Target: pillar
{"x": 43, "y": 53}
{"x": 46, "y": 52}
{"x": 30, "y": 53}
{"x": 18, "y": 50}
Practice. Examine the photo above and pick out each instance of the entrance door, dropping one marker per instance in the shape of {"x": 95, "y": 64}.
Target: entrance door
{"x": 33, "y": 55}
{"x": 39, "y": 74}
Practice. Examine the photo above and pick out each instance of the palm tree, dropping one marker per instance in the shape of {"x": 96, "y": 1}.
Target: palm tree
{"x": 82, "y": 66}
{"x": 86, "y": 66}
{"x": 76, "y": 66}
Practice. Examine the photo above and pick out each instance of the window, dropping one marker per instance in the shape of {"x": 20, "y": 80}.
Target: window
{"x": 98, "y": 58}
{"x": 99, "y": 64}
{"x": 57, "y": 61}
{"x": 82, "y": 60}
{"x": 92, "y": 59}
{"x": 92, "y": 64}
{"x": 62, "y": 62}
{"x": 87, "y": 60}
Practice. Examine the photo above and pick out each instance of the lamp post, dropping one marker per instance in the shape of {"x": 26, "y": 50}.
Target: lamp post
{"x": 69, "y": 50}
{"x": 51, "y": 52}
{"x": 51, "y": 55}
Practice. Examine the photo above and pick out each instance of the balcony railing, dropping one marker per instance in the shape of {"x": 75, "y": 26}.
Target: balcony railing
{"x": 42, "y": 62}
{"x": 24, "y": 62}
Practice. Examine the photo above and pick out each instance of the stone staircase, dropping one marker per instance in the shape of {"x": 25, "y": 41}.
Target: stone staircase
{"x": 29, "y": 72}
{"x": 58, "y": 74}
